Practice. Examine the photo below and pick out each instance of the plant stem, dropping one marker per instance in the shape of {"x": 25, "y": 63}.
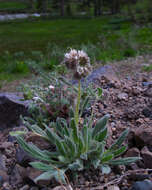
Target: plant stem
{"x": 78, "y": 104}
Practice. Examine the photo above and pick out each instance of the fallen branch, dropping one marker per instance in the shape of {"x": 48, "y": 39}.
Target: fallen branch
{"x": 118, "y": 180}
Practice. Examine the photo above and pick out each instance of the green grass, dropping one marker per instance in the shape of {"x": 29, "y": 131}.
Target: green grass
{"x": 12, "y": 5}
{"x": 104, "y": 39}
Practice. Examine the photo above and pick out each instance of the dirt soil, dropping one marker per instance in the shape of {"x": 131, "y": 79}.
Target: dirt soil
{"x": 127, "y": 97}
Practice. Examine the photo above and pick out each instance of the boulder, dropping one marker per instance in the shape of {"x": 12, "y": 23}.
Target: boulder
{"x": 11, "y": 107}
{"x": 105, "y": 72}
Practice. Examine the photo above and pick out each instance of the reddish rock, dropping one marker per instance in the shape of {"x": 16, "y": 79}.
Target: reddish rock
{"x": 133, "y": 152}
{"x": 34, "y": 173}
{"x": 147, "y": 157}
{"x": 143, "y": 136}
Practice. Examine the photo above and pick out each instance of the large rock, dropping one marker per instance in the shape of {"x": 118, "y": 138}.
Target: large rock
{"x": 133, "y": 152}
{"x": 105, "y": 72}
{"x": 147, "y": 157}
{"x": 11, "y": 107}
{"x": 142, "y": 185}
{"x": 143, "y": 136}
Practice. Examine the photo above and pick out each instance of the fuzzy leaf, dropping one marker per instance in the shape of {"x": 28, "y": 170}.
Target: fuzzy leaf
{"x": 120, "y": 151}
{"x": 105, "y": 169}
{"x": 77, "y": 165}
{"x": 96, "y": 163}
{"x": 99, "y": 92}
{"x": 41, "y": 166}
{"x": 17, "y": 133}
{"x": 102, "y": 135}
{"x": 107, "y": 158}
{"x": 33, "y": 150}
{"x": 120, "y": 140}
{"x": 101, "y": 124}
{"x": 57, "y": 174}
{"x": 52, "y": 137}
{"x": 71, "y": 146}
{"x": 74, "y": 131}
{"x": 84, "y": 105}
{"x": 124, "y": 161}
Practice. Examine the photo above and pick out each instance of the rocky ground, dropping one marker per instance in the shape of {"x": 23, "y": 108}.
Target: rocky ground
{"x": 127, "y": 97}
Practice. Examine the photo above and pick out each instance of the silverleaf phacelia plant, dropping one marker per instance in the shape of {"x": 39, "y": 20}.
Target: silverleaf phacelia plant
{"x": 77, "y": 148}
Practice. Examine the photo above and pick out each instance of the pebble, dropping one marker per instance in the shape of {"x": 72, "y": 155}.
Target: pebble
{"x": 142, "y": 185}
{"x": 34, "y": 188}
{"x": 25, "y": 187}
{"x": 147, "y": 84}
{"x": 113, "y": 187}
{"x": 123, "y": 96}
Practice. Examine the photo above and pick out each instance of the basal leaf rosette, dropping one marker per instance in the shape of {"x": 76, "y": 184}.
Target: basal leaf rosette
{"x": 79, "y": 62}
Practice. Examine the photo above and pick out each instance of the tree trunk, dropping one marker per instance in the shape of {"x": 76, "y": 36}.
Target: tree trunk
{"x": 95, "y": 8}
{"x": 62, "y": 7}
{"x": 99, "y": 8}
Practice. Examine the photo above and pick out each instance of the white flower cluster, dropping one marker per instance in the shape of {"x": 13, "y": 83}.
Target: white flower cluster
{"x": 79, "y": 62}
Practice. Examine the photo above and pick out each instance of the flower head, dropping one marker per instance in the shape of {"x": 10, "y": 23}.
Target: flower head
{"x": 79, "y": 62}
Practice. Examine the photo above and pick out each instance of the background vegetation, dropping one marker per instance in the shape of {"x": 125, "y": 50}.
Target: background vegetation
{"x": 106, "y": 30}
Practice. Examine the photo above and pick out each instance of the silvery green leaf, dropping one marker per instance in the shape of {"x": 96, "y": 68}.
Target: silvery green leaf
{"x": 100, "y": 149}
{"x": 84, "y": 105}
{"x": 120, "y": 151}
{"x": 33, "y": 150}
{"x": 99, "y": 92}
{"x": 120, "y": 140}
{"x": 124, "y": 161}
{"x": 71, "y": 146}
{"x": 85, "y": 133}
{"x": 41, "y": 166}
{"x": 105, "y": 169}
{"x": 52, "y": 136}
{"x": 60, "y": 147}
{"x": 57, "y": 174}
{"x": 63, "y": 159}
{"x": 74, "y": 131}
{"x": 77, "y": 165}
{"x": 101, "y": 124}
{"x": 96, "y": 163}
{"x": 106, "y": 158}
{"x": 17, "y": 133}
{"x": 84, "y": 156}
{"x": 102, "y": 135}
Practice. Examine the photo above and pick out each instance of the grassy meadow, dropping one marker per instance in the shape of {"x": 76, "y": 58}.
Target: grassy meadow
{"x": 44, "y": 41}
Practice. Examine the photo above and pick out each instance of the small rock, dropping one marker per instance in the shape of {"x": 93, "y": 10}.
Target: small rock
{"x": 11, "y": 107}
{"x": 133, "y": 152}
{"x": 17, "y": 175}
{"x": 6, "y": 145}
{"x": 140, "y": 121}
{"x": 148, "y": 92}
{"x": 25, "y": 187}
{"x": 38, "y": 141}
{"x": 68, "y": 187}
{"x": 113, "y": 187}
{"x": 34, "y": 188}
{"x": 3, "y": 177}
{"x": 147, "y": 84}
{"x": 147, "y": 157}
{"x": 3, "y": 162}
{"x": 143, "y": 136}
{"x": 33, "y": 173}
{"x": 22, "y": 157}
{"x": 142, "y": 185}
{"x": 7, "y": 186}
{"x": 123, "y": 96}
